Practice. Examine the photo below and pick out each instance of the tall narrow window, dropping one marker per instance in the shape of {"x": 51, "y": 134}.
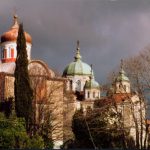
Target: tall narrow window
{"x": 12, "y": 53}
{"x": 9, "y": 52}
{"x": 93, "y": 94}
{"x": 5, "y": 53}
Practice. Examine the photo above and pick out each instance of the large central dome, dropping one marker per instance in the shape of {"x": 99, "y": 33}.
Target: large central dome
{"x": 78, "y": 67}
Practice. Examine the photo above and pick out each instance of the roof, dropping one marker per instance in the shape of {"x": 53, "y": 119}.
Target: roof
{"x": 103, "y": 102}
{"x": 92, "y": 84}
{"x": 12, "y": 33}
{"x": 120, "y": 97}
{"x": 148, "y": 121}
{"x": 77, "y": 67}
{"x": 122, "y": 75}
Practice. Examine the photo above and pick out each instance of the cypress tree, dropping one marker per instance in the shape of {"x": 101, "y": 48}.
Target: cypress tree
{"x": 23, "y": 90}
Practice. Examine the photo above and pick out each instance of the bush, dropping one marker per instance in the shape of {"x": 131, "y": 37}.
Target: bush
{"x": 13, "y": 134}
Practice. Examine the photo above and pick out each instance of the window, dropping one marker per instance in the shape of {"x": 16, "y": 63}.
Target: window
{"x": 5, "y": 53}
{"x": 12, "y": 53}
{"x": 78, "y": 85}
{"x": 93, "y": 94}
{"x": 9, "y": 52}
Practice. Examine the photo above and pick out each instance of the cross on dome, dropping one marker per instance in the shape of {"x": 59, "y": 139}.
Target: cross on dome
{"x": 121, "y": 64}
{"x": 78, "y": 56}
{"x": 121, "y": 67}
{"x": 16, "y": 23}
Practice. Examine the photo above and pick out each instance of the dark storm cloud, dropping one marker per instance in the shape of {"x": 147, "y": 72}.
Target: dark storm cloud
{"x": 108, "y": 30}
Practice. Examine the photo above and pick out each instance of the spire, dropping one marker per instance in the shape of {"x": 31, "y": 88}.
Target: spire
{"x": 78, "y": 56}
{"x": 121, "y": 67}
{"x": 122, "y": 75}
{"x": 121, "y": 64}
{"x": 16, "y": 24}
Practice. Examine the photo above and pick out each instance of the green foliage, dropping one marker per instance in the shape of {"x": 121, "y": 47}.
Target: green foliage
{"x": 36, "y": 142}
{"x": 23, "y": 90}
{"x": 13, "y": 134}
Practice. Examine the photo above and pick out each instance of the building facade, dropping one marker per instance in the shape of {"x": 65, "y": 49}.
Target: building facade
{"x": 61, "y": 96}
{"x": 81, "y": 81}
{"x": 50, "y": 96}
{"x": 130, "y": 106}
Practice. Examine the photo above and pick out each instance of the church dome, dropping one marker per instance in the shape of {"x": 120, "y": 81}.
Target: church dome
{"x": 92, "y": 84}
{"x": 78, "y": 67}
{"x": 122, "y": 75}
{"x": 11, "y": 35}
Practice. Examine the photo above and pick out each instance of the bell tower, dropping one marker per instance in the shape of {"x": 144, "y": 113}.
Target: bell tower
{"x": 8, "y": 43}
{"x": 122, "y": 82}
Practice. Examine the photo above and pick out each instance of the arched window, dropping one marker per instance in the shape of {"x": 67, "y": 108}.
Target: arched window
{"x": 78, "y": 85}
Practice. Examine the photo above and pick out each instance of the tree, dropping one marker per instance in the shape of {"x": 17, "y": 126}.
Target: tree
{"x": 134, "y": 104}
{"x": 48, "y": 95}
{"x": 138, "y": 70}
{"x": 23, "y": 90}
{"x": 100, "y": 128}
{"x": 13, "y": 134}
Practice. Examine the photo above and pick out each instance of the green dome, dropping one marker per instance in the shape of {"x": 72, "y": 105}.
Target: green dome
{"x": 78, "y": 67}
{"x": 122, "y": 76}
{"x": 91, "y": 84}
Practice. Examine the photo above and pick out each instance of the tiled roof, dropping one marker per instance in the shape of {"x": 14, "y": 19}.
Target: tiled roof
{"x": 120, "y": 97}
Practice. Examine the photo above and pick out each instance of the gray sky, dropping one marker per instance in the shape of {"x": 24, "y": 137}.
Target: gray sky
{"x": 108, "y": 30}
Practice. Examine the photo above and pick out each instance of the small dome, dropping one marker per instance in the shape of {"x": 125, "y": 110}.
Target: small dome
{"x": 122, "y": 76}
{"x": 12, "y": 34}
{"x": 78, "y": 67}
{"x": 92, "y": 84}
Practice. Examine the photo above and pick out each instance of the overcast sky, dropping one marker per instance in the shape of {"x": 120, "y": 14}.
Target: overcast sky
{"x": 108, "y": 30}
